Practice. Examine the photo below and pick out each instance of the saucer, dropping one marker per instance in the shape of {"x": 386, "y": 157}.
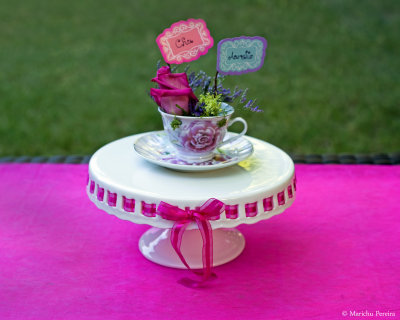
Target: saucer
{"x": 155, "y": 147}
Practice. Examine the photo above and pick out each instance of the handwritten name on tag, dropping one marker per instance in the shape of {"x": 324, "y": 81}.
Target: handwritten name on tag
{"x": 185, "y": 41}
{"x": 241, "y": 55}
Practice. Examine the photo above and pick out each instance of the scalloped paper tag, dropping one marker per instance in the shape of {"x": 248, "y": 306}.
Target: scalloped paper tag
{"x": 241, "y": 55}
{"x": 185, "y": 41}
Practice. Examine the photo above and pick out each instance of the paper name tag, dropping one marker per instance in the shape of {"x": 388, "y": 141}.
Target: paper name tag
{"x": 241, "y": 55}
{"x": 185, "y": 41}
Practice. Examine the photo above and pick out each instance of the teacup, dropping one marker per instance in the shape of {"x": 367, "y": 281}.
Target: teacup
{"x": 196, "y": 138}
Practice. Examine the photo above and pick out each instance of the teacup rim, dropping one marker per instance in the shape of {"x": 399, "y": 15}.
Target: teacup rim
{"x": 231, "y": 111}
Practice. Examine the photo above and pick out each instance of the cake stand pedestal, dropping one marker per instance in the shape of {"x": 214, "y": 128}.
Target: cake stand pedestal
{"x": 123, "y": 184}
{"x": 155, "y": 245}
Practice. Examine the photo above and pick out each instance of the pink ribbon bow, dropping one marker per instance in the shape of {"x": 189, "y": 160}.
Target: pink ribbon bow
{"x": 212, "y": 208}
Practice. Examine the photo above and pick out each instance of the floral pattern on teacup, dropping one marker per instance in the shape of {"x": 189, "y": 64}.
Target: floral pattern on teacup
{"x": 200, "y": 136}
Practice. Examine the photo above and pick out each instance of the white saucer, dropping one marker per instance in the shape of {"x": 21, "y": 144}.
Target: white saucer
{"x": 156, "y": 148}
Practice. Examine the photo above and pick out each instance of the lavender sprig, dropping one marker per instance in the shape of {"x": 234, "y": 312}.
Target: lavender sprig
{"x": 186, "y": 68}
{"x": 248, "y": 104}
{"x": 244, "y": 96}
{"x": 256, "y": 109}
{"x": 191, "y": 76}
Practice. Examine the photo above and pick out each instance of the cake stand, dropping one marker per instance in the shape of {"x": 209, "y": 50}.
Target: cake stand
{"x": 127, "y": 186}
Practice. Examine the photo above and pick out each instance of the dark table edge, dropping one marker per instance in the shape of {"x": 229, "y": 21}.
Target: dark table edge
{"x": 376, "y": 158}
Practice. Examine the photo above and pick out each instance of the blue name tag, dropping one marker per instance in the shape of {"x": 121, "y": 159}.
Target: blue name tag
{"x": 241, "y": 55}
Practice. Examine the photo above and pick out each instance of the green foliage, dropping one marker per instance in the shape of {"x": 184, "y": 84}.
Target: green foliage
{"x": 222, "y": 122}
{"x": 176, "y": 123}
{"x": 211, "y": 104}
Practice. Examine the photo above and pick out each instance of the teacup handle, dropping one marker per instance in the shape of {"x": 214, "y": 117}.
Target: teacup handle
{"x": 231, "y": 122}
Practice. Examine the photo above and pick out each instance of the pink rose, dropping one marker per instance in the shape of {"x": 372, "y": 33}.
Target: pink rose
{"x": 201, "y": 136}
{"x": 173, "y": 90}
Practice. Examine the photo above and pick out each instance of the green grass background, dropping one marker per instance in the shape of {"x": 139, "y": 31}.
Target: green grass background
{"x": 74, "y": 75}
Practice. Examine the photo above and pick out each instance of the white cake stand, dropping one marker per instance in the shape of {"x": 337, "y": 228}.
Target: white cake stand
{"x": 125, "y": 185}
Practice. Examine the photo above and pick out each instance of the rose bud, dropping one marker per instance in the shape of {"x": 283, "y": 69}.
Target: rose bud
{"x": 174, "y": 95}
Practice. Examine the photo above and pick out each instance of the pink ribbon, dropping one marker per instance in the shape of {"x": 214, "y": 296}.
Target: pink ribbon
{"x": 212, "y": 208}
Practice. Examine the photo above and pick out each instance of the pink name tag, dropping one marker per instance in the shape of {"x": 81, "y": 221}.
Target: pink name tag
{"x": 185, "y": 41}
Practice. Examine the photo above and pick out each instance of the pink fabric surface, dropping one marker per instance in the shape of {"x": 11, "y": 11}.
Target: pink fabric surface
{"x": 335, "y": 250}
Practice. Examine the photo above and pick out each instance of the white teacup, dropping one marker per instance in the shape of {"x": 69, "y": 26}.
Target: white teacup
{"x": 196, "y": 138}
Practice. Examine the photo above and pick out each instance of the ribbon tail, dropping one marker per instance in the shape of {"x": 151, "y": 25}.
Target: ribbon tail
{"x": 207, "y": 256}
{"x": 206, "y": 234}
{"x": 177, "y": 232}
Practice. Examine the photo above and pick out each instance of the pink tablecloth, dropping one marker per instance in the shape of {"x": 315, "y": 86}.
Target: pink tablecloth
{"x": 333, "y": 253}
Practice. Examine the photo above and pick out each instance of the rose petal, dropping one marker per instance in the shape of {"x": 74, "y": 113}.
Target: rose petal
{"x": 168, "y": 80}
{"x": 173, "y": 80}
{"x": 168, "y": 99}
{"x": 169, "y": 104}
